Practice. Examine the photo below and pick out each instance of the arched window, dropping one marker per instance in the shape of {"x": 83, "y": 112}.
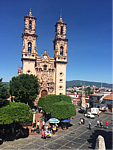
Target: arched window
{"x": 30, "y": 23}
{"x": 45, "y": 67}
{"x": 61, "y": 50}
{"x": 29, "y": 47}
{"x": 61, "y": 29}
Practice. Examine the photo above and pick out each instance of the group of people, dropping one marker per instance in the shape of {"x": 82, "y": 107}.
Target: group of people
{"x": 46, "y": 128}
{"x": 46, "y": 132}
{"x": 99, "y": 124}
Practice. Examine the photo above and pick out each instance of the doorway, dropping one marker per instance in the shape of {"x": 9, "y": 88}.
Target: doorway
{"x": 109, "y": 107}
{"x": 43, "y": 93}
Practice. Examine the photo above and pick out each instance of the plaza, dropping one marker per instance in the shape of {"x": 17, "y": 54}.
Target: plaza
{"x": 75, "y": 137}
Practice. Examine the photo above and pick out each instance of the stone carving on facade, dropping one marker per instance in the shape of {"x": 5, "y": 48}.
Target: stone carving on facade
{"x": 51, "y": 87}
{"x": 45, "y": 76}
{"x": 44, "y": 85}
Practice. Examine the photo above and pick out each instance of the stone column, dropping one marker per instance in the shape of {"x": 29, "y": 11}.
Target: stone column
{"x": 83, "y": 98}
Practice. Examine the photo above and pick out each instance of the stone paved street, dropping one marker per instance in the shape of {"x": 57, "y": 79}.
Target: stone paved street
{"x": 76, "y": 137}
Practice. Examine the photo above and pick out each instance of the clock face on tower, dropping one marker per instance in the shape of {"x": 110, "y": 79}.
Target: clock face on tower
{"x": 45, "y": 57}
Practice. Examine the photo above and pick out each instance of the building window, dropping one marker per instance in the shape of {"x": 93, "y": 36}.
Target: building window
{"x": 61, "y": 73}
{"x": 28, "y": 71}
{"x": 30, "y": 23}
{"x": 60, "y": 93}
{"x": 61, "y": 29}
{"x": 61, "y": 50}
{"x": 98, "y": 98}
{"x": 61, "y": 80}
{"x": 60, "y": 87}
{"x": 45, "y": 67}
{"x": 29, "y": 47}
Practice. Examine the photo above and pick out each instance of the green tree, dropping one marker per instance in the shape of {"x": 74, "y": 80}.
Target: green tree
{"x": 87, "y": 91}
{"x": 49, "y": 100}
{"x": 25, "y": 88}
{"x": 41, "y": 101}
{"x": 63, "y": 110}
{"x": 15, "y": 112}
{"x": 3, "y": 94}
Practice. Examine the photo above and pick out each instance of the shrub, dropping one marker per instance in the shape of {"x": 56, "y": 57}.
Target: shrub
{"x": 15, "y": 112}
{"x": 63, "y": 110}
{"x": 41, "y": 101}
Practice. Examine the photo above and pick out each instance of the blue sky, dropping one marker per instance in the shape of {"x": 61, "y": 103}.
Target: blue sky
{"x": 89, "y": 30}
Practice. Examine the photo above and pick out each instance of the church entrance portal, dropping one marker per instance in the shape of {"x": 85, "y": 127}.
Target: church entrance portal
{"x": 43, "y": 93}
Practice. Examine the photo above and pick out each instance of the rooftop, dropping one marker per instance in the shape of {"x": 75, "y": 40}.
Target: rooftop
{"x": 109, "y": 97}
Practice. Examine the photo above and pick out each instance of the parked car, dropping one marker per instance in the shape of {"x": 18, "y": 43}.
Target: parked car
{"x": 89, "y": 115}
{"x": 82, "y": 111}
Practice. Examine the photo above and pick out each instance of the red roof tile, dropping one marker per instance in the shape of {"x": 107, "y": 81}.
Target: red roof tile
{"x": 95, "y": 95}
{"x": 109, "y": 97}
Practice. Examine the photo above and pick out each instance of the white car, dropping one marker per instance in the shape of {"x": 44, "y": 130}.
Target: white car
{"x": 89, "y": 115}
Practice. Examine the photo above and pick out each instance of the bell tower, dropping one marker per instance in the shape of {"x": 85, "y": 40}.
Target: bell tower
{"x": 60, "y": 56}
{"x": 29, "y": 51}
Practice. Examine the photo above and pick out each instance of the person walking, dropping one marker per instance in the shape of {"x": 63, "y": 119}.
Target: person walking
{"x": 43, "y": 123}
{"x": 83, "y": 120}
{"x": 107, "y": 123}
{"x": 38, "y": 123}
{"x": 101, "y": 124}
{"x": 89, "y": 125}
{"x": 98, "y": 123}
{"x": 98, "y": 113}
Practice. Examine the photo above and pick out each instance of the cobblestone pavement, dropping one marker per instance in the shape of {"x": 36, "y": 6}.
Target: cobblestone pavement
{"x": 75, "y": 137}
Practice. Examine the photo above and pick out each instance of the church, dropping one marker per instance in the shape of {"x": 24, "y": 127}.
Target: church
{"x": 51, "y": 72}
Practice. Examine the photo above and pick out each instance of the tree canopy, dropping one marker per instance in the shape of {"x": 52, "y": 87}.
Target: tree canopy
{"x": 88, "y": 91}
{"x": 3, "y": 94}
{"x": 63, "y": 110}
{"x": 60, "y": 106}
{"x": 41, "y": 101}
{"x": 24, "y": 87}
{"x": 48, "y": 101}
{"x": 15, "y": 112}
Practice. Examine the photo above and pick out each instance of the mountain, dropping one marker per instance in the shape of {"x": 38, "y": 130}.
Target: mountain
{"x": 80, "y": 82}
{"x": 7, "y": 83}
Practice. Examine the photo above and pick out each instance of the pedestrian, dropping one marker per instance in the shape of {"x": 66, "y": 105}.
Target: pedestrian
{"x": 98, "y": 114}
{"x": 80, "y": 122}
{"x": 83, "y": 120}
{"x": 43, "y": 123}
{"x": 89, "y": 125}
{"x": 50, "y": 133}
{"x": 101, "y": 124}
{"x": 98, "y": 123}
{"x": 107, "y": 123}
{"x": 38, "y": 123}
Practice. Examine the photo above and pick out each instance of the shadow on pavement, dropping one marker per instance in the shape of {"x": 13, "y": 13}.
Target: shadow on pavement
{"x": 107, "y": 138}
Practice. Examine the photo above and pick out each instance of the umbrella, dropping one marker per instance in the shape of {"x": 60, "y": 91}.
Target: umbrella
{"x": 65, "y": 120}
{"x": 53, "y": 120}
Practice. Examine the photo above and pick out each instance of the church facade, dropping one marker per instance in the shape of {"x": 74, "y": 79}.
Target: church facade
{"x": 51, "y": 72}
